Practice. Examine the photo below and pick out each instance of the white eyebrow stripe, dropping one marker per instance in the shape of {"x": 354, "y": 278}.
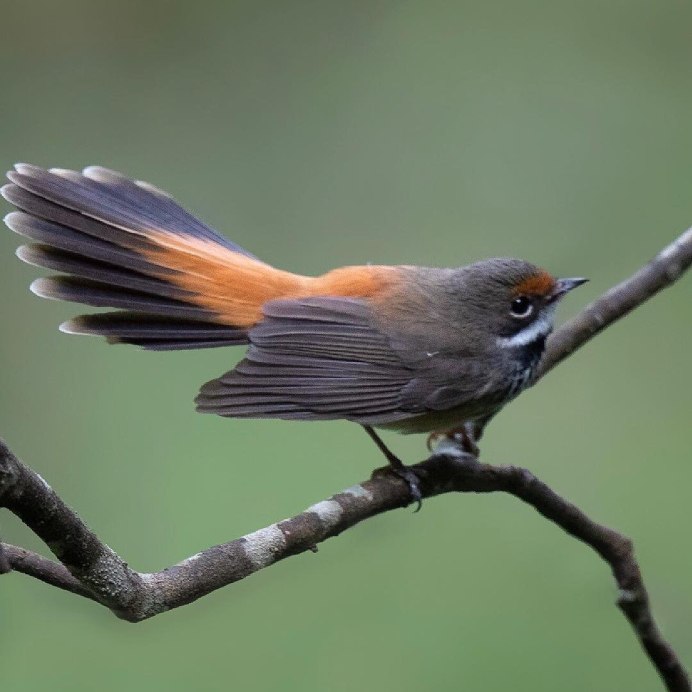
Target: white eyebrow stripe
{"x": 536, "y": 330}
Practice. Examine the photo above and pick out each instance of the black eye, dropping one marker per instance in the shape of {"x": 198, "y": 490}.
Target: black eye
{"x": 521, "y": 307}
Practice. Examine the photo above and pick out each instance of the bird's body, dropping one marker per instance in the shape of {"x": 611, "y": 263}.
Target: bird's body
{"x": 409, "y": 348}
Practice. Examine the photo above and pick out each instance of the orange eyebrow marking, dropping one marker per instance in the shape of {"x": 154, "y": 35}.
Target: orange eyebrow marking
{"x": 540, "y": 284}
{"x": 236, "y": 287}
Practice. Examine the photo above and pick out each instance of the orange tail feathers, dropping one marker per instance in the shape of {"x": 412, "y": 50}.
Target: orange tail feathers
{"x": 175, "y": 282}
{"x": 230, "y": 285}
{"x": 235, "y": 286}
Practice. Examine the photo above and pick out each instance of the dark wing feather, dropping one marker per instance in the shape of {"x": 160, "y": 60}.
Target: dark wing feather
{"x": 314, "y": 359}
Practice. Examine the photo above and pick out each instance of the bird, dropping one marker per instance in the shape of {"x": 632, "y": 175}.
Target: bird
{"x": 405, "y": 348}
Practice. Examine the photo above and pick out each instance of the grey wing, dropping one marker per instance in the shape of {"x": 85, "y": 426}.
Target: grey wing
{"x": 314, "y": 359}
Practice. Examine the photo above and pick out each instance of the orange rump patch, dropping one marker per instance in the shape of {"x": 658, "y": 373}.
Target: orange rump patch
{"x": 235, "y": 286}
{"x": 540, "y": 284}
{"x": 354, "y": 282}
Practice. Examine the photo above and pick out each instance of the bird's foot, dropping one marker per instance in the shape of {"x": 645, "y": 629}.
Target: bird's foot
{"x": 406, "y": 473}
{"x": 398, "y": 468}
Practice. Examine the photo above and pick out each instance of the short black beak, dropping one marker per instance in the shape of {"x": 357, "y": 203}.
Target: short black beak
{"x": 563, "y": 286}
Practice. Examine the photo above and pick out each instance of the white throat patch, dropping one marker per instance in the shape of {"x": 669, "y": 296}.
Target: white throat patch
{"x": 534, "y": 331}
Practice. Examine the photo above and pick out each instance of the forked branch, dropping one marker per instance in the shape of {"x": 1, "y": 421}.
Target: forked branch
{"x": 88, "y": 567}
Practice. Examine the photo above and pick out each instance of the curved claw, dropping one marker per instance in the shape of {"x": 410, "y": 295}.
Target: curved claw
{"x": 407, "y": 474}
{"x": 432, "y": 439}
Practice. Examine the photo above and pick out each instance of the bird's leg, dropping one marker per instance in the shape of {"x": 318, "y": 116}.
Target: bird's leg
{"x": 465, "y": 436}
{"x": 398, "y": 467}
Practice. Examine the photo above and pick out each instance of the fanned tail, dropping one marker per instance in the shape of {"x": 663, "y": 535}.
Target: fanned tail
{"x": 174, "y": 282}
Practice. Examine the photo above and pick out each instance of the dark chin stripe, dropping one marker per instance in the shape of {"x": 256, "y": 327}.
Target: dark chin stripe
{"x": 531, "y": 353}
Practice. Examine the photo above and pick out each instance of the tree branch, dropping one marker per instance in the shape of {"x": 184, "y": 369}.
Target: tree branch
{"x": 89, "y": 568}
{"x": 662, "y": 271}
{"x": 37, "y": 566}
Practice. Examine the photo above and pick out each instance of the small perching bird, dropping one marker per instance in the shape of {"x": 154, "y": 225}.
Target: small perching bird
{"x": 414, "y": 349}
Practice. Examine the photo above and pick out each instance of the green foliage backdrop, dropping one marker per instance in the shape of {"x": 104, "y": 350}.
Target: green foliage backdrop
{"x": 327, "y": 133}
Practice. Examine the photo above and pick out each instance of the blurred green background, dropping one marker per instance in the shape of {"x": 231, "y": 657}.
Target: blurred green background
{"x": 320, "y": 134}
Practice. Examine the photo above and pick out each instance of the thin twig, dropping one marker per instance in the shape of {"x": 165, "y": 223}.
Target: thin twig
{"x": 662, "y": 271}
{"x": 43, "y": 569}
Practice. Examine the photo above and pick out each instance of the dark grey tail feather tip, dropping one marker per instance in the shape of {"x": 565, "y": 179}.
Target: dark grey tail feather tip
{"x": 154, "y": 190}
{"x": 31, "y": 170}
{"x": 44, "y": 288}
{"x": 103, "y": 175}
{"x": 13, "y": 219}
{"x": 26, "y": 170}
{"x": 108, "y": 176}
{"x": 15, "y": 216}
{"x": 74, "y": 326}
{"x": 6, "y": 192}
{"x": 92, "y": 172}
{"x": 28, "y": 255}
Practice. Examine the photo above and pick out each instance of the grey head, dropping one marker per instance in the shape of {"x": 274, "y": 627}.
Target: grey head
{"x": 498, "y": 303}
{"x": 512, "y": 301}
